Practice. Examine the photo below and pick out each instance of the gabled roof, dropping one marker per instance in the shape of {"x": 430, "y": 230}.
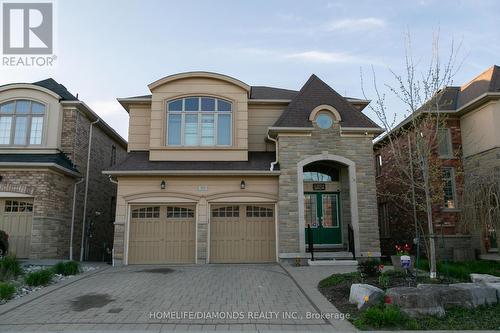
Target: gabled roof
{"x": 262, "y": 92}
{"x": 486, "y": 82}
{"x": 314, "y": 93}
{"x": 56, "y": 87}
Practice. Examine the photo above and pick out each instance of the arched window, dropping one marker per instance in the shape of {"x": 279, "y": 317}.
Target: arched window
{"x": 21, "y": 122}
{"x": 199, "y": 121}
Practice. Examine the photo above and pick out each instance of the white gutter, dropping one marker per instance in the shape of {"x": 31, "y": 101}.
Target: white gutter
{"x": 273, "y": 164}
{"x": 73, "y": 219}
{"x": 86, "y": 188}
{"x": 191, "y": 172}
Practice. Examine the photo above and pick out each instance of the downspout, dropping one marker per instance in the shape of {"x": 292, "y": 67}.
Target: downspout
{"x": 73, "y": 219}
{"x": 113, "y": 249}
{"x": 86, "y": 188}
{"x": 273, "y": 164}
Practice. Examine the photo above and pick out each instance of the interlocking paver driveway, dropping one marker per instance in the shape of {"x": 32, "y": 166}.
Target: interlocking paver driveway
{"x": 120, "y": 297}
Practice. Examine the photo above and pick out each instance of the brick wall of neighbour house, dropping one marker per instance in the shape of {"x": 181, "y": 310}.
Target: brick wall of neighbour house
{"x": 51, "y": 208}
{"x": 74, "y": 142}
{"x": 293, "y": 149}
{"x": 451, "y": 234}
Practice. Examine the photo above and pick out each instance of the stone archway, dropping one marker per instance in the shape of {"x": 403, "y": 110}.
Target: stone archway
{"x": 353, "y": 195}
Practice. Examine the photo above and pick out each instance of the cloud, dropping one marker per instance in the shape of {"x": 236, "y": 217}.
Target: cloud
{"x": 356, "y": 24}
{"x": 320, "y": 56}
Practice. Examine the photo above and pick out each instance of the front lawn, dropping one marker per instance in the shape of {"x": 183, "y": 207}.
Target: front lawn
{"x": 462, "y": 270}
{"x": 336, "y": 289}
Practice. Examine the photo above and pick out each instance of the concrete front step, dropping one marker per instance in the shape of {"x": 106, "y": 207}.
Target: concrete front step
{"x": 333, "y": 262}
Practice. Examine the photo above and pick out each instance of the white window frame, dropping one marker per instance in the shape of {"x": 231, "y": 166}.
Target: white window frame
{"x": 378, "y": 165}
{"x": 448, "y": 143}
{"x": 199, "y": 114}
{"x": 453, "y": 187}
{"x": 29, "y": 120}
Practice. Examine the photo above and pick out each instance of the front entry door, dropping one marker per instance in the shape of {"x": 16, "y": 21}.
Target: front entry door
{"x": 322, "y": 213}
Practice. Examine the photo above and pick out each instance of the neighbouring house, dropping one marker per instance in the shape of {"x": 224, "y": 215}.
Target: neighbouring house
{"x": 53, "y": 148}
{"x": 219, "y": 171}
{"x": 467, "y": 145}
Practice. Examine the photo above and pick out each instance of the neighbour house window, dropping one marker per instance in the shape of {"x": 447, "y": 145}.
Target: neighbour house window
{"x": 112, "y": 208}
{"x": 256, "y": 211}
{"x": 113, "y": 155}
{"x": 21, "y": 122}
{"x": 199, "y": 121}
{"x": 383, "y": 219}
{"x": 14, "y": 206}
{"x": 378, "y": 165}
{"x": 444, "y": 143}
{"x": 229, "y": 211}
{"x": 449, "y": 188}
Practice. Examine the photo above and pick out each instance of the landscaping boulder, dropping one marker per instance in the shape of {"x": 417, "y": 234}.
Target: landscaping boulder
{"x": 496, "y": 286}
{"x": 365, "y": 295}
{"x": 479, "y": 294}
{"x": 415, "y": 302}
{"x": 447, "y": 295}
{"x": 484, "y": 278}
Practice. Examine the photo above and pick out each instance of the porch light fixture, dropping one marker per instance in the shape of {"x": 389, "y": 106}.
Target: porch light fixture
{"x": 242, "y": 184}
{"x": 163, "y": 185}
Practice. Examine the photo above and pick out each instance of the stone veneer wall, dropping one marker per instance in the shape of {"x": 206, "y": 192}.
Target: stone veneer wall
{"x": 51, "y": 208}
{"x": 293, "y": 149}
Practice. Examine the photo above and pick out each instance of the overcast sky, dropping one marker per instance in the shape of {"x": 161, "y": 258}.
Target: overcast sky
{"x": 110, "y": 49}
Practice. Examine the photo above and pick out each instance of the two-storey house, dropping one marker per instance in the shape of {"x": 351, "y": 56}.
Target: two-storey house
{"x": 219, "y": 171}
{"x": 468, "y": 147}
{"x": 53, "y": 148}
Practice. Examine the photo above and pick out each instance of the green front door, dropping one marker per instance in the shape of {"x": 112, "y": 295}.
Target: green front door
{"x": 322, "y": 213}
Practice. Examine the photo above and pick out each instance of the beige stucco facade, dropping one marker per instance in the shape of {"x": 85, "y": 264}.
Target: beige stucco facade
{"x": 158, "y": 183}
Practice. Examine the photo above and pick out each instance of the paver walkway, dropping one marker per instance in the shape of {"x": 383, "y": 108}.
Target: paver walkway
{"x": 203, "y": 297}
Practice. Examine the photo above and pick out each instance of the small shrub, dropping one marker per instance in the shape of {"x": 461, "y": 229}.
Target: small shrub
{"x": 336, "y": 279}
{"x": 67, "y": 268}
{"x": 384, "y": 316}
{"x": 369, "y": 267}
{"x": 39, "y": 278}
{"x": 4, "y": 243}
{"x": 9, "y": 268}
{"x": 6, "y": 290}
{"x": 384, "y": 280}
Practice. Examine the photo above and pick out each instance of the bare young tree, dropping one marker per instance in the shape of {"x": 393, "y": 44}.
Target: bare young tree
{"x": 413, "y": 143}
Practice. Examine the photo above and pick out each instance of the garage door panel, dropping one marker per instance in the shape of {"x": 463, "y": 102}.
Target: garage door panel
{"x": 16, "y": 217}
{"x": 165, "y": 235}
{"x": 244, "y": 234}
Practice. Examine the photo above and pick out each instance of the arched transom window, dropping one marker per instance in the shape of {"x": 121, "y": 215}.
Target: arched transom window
{"x": 199, "y": 121}
{"x": 21, "y": 122}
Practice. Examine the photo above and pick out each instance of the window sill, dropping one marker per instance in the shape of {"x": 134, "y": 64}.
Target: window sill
{"x": 450, "y": 210}
{"x": 448, "y": 157}
{"x": 196, "y": 148}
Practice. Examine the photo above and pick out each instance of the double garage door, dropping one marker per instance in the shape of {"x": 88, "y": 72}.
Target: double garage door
{"x": 167, "y": 234}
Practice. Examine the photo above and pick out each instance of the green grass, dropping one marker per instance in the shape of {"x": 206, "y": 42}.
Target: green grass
{"x": 9, "y": 268}
{"x": 67, "y": 268}
{"x": 7, "y": 290}
{"x": 39, "y": 278}
{"x": 462, "y": 270}
{"x": 336, "y": 279}
{"x": 381, "y": 316}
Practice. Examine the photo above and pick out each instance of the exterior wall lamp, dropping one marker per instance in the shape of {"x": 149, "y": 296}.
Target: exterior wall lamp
{"x": 243, "y": 185}
{"x": 163, "y": 184}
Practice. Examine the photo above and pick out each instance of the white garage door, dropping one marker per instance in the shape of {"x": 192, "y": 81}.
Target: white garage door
{"x": 162, "y": 235}
{"x": 15, "y": 219}
{"x": 242, "y": 234}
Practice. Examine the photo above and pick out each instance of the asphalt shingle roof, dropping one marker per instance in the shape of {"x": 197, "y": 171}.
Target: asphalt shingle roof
{"x": 56, "y": 87}
{"x": 314, "y": 93}
{"x": 59, "y": 159}
{"x": 139, "y": 161}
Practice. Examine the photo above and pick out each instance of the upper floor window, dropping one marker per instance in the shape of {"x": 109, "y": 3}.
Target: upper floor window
{"x": 444, "y": 143}
{"x": 378, "y": 165}
{"x": 21, "y": 122}
{"x": 113, "y": 155}
{"x": 199, "y": 121}
{"x": 449, "y": 188}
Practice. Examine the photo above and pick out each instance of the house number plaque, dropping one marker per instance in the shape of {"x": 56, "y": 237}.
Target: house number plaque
{"x": 319, "y": 187}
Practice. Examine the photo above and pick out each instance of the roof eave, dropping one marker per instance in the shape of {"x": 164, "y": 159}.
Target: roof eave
{"x": 127, "y": 102}
{"x": 190, "y": 172}
{"x": 51, "y": 165}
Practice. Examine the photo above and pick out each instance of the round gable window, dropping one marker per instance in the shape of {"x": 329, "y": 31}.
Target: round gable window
{"x": 324, "y": 121}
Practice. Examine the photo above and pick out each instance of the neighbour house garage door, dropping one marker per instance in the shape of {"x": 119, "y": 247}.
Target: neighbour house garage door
{"x": 15, "y": 219}
{"x": 242, "y": 233}
{"x": 162, "y": 234}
